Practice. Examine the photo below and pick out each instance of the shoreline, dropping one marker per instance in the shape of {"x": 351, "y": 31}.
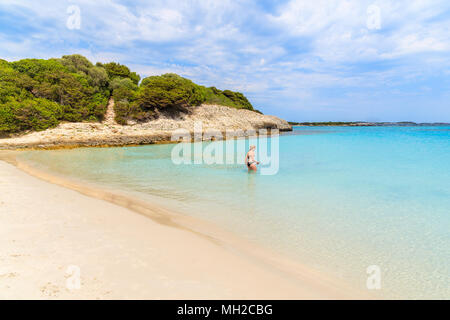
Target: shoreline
{"x": 254, "y": 272}
{"x": 369, "y": 124}
{"x": 127, "y": 141}
{"x": 213, "y": 119}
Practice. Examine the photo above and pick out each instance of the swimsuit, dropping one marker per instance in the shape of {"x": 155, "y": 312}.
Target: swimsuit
{"x": 250, "y": 163}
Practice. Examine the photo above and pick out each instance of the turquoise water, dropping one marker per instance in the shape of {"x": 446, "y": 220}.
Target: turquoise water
{"x": 344, "y": 198}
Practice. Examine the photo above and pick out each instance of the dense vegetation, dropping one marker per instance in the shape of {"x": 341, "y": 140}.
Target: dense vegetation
{"x": 37, "y": 94}
{"x": 168, "y": 92}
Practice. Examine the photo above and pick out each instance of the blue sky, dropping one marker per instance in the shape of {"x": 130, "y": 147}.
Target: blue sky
{"x": 302, "y": 60}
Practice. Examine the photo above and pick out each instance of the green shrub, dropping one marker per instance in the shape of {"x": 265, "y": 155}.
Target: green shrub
{"x": 13, "y": 83}
{"x": 117, "y": 70}
{"x": 98, "y": 77}
{"x": 30, "y": 114}
{"x": 239, "y": 99}
{"x": 169, "y": 90}
{"x": 126, "y": 111}
{"x": 36, "y": 94}
{"x": 227, "y": 98}
{"x": 124, "y": 94}
{"x": 77, "y": 63}
{"x": 8, "y": 123}
{"x": 72, "y": 81}
{"x": 117, "y": 83}
{"x": 38, "y": 69}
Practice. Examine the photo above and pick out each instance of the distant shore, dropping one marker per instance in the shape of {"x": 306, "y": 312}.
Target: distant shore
{"x": 368, "y": 124}
{"x": 48, "y": 230}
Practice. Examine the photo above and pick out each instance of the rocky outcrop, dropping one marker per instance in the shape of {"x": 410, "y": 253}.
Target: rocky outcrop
{"x": 108, "y": 133}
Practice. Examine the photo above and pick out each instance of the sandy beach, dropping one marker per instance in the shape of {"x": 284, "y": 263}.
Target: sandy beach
{"x": 49, "y": 233}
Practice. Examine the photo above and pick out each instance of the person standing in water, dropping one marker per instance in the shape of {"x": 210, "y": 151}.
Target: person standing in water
{"x": 250, "y": 159}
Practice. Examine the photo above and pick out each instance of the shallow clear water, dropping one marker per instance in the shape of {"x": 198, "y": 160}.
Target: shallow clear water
{"x": 344, "y": 198}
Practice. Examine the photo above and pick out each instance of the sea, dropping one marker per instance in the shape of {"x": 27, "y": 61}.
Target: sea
{"x": 368, "y": 205}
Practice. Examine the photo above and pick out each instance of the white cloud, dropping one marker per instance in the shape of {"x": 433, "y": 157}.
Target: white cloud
{"x": 294, "y": 50}
{"x": 338, "y": 30}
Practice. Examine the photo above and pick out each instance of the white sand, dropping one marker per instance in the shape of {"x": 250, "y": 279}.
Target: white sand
{"x": 45, "y": 228}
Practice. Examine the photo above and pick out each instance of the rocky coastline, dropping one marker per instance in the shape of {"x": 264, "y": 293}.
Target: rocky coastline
{"x": 160, "y": 130}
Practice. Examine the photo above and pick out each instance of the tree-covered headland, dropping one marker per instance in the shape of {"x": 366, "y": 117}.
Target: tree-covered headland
{"x": 37, "y": 94}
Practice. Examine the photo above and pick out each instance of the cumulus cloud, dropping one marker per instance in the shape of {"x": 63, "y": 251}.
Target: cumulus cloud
{"x": 285, "y": 55}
